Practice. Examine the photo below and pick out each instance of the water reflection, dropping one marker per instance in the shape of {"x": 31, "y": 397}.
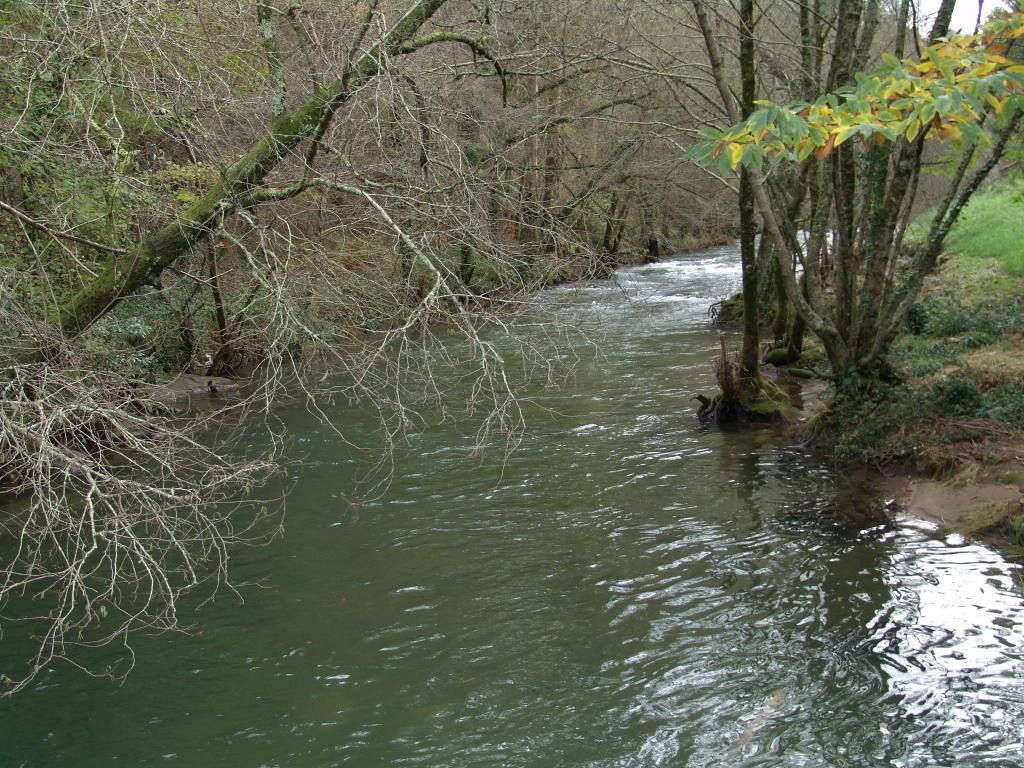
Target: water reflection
{"x": 952, "y": 644}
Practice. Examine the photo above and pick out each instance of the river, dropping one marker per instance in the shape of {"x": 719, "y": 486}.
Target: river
{"x": 625, "y": 589}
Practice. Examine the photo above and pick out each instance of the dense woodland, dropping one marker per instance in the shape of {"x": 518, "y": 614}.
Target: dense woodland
{"x": 278, "y": 191}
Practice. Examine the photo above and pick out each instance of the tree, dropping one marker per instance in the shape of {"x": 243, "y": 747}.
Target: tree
{"x": 868, "y": 140}
{"x": 744, "y": 392}
{"x": 118, "y": 135}
{"x": 283, "y": 190}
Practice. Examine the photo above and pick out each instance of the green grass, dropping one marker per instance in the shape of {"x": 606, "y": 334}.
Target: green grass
{"x": 991, "y": 229}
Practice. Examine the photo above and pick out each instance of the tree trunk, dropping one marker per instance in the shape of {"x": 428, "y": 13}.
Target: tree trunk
{"x": 223, "y": 332}
{"x": 610, "y": 224}
{"x": 750, "y": 354}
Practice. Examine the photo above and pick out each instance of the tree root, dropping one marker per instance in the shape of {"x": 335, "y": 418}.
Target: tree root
{"x": 761, "y": 403}
{"x": 743, "y": 400}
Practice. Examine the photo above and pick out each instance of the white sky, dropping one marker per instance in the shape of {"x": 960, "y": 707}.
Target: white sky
{"x": 965, "y": 14}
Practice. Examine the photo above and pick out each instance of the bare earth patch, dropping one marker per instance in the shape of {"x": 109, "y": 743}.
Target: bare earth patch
{"x": 947, "y": 505}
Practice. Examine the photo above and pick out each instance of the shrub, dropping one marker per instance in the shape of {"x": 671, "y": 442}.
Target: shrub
{"x": 1006, "y": 403}
{"x": 957, "y": 396}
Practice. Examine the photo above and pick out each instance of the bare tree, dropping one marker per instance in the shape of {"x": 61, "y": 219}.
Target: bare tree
{"x": 128, "y": 505}
{"x": 298, "y": 191}
{"x": 304, "y": 194}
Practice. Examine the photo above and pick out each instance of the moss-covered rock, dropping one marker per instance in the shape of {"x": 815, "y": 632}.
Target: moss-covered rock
{"x": 727, "y": 311}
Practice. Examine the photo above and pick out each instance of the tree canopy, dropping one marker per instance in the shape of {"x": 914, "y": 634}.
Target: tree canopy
{"x": 956, "y": 85}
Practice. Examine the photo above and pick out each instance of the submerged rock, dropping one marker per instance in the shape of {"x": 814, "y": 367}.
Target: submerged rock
{"x": 189, "y": 386}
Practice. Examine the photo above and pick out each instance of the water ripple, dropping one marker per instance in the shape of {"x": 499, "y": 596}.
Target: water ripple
{"x": 625, "y": 590}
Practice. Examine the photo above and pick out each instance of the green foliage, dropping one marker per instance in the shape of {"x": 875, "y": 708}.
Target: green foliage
{"x": 956, "y": 82}
{"x": 957, "y": 396}
{"x": 920, "y": 369}
{"x": 866, "y": 428}
{"x": 140, "y": 338}
{"x": 1016, "y": 526}
{"x": 885, "y": 422}
{"x": 937, "y": 316}
{"x": 1006, "y": 403}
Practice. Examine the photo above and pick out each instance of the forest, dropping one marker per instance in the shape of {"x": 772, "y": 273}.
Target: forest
{"x": 304, "y": 197}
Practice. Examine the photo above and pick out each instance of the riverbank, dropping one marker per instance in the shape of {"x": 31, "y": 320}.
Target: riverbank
{"x": 979, "y": 494}
{"x": 950, "y": 433}
{"x": 981, "y": 509}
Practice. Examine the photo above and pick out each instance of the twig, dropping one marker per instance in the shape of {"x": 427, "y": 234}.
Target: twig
{"x": 24, "y": 217}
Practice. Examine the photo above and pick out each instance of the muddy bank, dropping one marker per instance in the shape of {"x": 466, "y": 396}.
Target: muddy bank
{"x": 947, "y": 505}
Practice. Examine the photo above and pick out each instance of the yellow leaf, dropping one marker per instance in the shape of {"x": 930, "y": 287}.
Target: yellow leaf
{"x": 735, "y": 154}
{"x": 845, "y": 132}
{"x": 913, "y": 127}
{"x": 998, "y": 104}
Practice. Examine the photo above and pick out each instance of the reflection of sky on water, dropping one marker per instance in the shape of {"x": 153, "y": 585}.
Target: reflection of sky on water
{"x": 951, "y": 637}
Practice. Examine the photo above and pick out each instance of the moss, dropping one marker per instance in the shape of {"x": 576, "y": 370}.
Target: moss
{"x": 727, "y": 311}
{"x": 768, "y": 410}
{"x": 801, "y": 373}
{"x": 779, "y": 356}
{"x": 758, "y": 402}
{"x": 813, "y": 356}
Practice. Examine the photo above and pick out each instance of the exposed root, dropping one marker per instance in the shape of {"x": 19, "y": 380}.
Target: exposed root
{"x": 742, "y": 399}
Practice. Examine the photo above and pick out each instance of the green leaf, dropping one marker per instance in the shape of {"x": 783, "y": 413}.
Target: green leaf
{"x": 753, "y": 155}
{"x": 912, "y": 129}
{"x": 724, "y": 166}
{"x": 759, "y": 120}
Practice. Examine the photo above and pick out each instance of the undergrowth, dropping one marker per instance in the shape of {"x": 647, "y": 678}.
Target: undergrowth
{"x": 937, "y": 399}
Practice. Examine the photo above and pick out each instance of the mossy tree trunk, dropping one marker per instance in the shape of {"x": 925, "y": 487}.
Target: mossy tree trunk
{"x": 750, "y": 353}
{"x": 745, "y": 394}
{"x": 159, "y": 250}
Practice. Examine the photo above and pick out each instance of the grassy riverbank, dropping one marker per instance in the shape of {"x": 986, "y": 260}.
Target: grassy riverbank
{"x": 956, "y": 415}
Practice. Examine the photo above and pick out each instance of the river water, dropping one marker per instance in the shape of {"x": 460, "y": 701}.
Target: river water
{"x": 625, "y": 589}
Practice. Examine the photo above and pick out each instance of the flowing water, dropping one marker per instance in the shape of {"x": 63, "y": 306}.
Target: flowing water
{"x": 626, "y": 589}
